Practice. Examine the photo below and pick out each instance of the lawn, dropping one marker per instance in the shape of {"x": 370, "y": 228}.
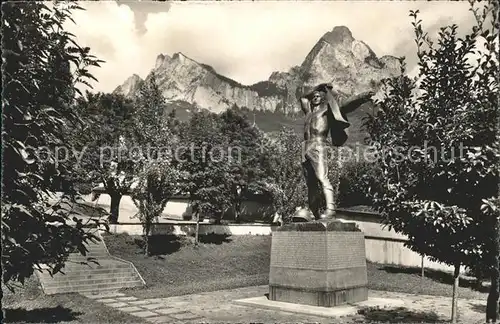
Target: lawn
{"x": 30, "y": 305}
{"x": 178, "y": 268}
{"x": 221, "y": 262}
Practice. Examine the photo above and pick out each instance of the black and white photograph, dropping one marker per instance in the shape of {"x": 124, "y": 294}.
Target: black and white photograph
{"x": 250, "y": 161}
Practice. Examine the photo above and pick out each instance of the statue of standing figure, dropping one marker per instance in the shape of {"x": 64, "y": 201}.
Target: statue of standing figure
{"x": 324, "y": 115}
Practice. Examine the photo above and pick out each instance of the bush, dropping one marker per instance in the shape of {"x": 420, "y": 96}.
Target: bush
{"x": 84, "y": 188}
{"x": 356, "y": 178}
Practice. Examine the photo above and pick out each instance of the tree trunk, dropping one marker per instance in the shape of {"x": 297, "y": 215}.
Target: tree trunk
{"x": 237, "y": 213}
{"x": 146, "y": 230}
{"x": 492, "y": 301}
{"x": 197, "y": 229}
{"x": 456, "y": 282}
{"x": 493, "y": 295}
{"x": 115, "y": 207}
{"x": 422, "y": 266}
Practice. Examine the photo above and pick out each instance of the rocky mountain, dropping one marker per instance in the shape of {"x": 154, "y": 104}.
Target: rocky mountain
{"x": 349, "y": 64}
{"x": 131, "y": 85}
{"x": 183, "y": 79}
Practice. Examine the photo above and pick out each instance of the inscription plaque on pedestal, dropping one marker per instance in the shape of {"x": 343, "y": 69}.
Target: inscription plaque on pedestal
{"x": 320, "y": 263}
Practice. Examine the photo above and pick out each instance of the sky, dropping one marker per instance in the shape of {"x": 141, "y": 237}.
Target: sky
{"x": 246, "y": 40}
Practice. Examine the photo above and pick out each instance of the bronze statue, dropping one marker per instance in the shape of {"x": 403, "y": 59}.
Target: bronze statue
{"x": 323, "y": 115}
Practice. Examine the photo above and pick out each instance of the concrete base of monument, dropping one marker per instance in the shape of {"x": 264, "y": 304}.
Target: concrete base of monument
{"x": 320, "y": 263}
{"x": 330, "y": 312}
{"x": 318, "y": 298}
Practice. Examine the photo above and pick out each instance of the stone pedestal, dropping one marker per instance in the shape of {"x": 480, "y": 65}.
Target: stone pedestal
{"x": 321, "y": 263}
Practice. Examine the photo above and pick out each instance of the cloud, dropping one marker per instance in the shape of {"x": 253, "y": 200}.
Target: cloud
{"x": 142, "y": 9}
{"x": 245, "y": 41}
{"x": 109, "y": 30}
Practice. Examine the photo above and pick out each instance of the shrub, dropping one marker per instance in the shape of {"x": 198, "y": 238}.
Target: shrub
{"x": 356, "y": 178}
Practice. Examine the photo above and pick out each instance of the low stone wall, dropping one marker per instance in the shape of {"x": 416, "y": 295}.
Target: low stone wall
{"x": 179, "y": 208}
{"x": 381, "y": 244}
{"x": 393, "y": 251}
{"x": 189, "y": 228}
{"x": 386, "y": 246}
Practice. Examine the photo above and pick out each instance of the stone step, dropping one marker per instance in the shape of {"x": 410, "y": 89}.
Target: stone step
{"x": 61, "y": 283}
{"x": 94, "y": 247}
{"x": 80, "y": 270}
{"x": 94, "y": 287}
{"x": 83, "y": 270}
{"x": 103, "y": 251}
{"x": 95, "y": 272}
{"x": 96, "y": 264}
{"x": 89, "y": 255}
{"x": 93, "y": 250}
{"x": 87, "y": 273}
{"x": 99, "y": 245}
{"x": 101, "y": 259}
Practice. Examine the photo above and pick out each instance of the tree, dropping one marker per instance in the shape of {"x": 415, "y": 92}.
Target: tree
{"x": 38, "y": 89}
{"x": 223, "y": 161}
{"x": 356, "y": 178}
{"x": 490, "y": 260}
{"x": 159, "y": 176}
{"x": 205, "y": 161}
{"x": 106, "y": 144}
{"x": 158, "y": 182}
{"x": 202, "y": 158}
{"x": 436, "y": 135}
{"x": 244, "y": 158}
{"x": 285, "y": 182}
{"x": 173, "y": 123}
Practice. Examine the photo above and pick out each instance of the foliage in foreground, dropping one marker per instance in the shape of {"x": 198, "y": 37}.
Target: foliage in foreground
{"x": 39, "y": 88}
{"x": 439, "y": 153}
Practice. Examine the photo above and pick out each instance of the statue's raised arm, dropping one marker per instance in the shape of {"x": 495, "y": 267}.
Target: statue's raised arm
{"x": 335, "y": 108}
{"x": 305, "y": 104}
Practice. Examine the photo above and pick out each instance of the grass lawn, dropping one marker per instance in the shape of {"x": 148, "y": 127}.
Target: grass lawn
{"x": 30, "y": 305}
{"x": 179, "y": 268}
{"x": 221, "y": 262}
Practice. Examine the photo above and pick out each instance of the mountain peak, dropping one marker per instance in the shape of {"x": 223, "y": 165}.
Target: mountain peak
{"x": 161, "y": 59}
{"x": 179, "y": 56}
{"x": 133, "y": 79}
{"x": 339, "y": 34}
{"x": 130, "y": 86}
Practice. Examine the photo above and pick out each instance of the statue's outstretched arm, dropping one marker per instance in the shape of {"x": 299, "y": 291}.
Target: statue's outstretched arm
{"x": 352, "y": 103}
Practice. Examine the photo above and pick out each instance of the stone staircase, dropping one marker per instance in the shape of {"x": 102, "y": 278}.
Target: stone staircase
{"x": 110, "y": 274}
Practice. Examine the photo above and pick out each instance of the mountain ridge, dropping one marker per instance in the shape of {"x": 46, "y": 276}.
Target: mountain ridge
{"x": 337, "y": 57}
